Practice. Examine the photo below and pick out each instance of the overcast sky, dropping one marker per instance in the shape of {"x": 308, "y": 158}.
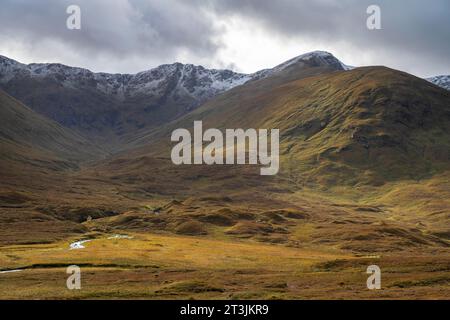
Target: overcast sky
{"x": 128, "y": 36}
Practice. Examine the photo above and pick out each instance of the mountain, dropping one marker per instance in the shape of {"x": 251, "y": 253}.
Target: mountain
{"x": 106, "y": 107}
{"x": 307, "y": 60}
{"x": 364, "y": 165}
{"x": 364, "y": 179}
{"x": 195, "y": 81}
{"x": 365, "y": 126}
{"x": 29, "y": 140}
{"x": 441, "y": 81}
{"x": 344, "y": 125}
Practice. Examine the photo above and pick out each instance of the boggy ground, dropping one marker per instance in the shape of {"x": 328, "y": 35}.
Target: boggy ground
{"x": 151, "y": 266}
{"x": 221, "y": 234}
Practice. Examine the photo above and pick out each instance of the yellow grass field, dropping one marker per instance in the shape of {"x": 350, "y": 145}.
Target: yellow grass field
{"x": 177, "y": 267}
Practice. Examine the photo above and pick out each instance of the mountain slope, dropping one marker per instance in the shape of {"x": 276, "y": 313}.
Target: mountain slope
{"x": 104, "y": 106}
{"x": 197, "y": 81}
{"x": 304, "y": 61}
{"x": 364, "y": 165}
{"x": 364, "y": 168}
{"x": 368, "y": 125}
{"x": 261, "y": 84}
{"x": 29, "y": 140}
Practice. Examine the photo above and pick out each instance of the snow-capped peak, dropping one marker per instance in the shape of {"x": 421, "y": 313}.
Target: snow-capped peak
{"x": 321, "y": 57}
{"x": 183, "y": 79}
{"x": 316, "y": 58}
{"x": 196, "y": 81}
{"x": 8, "y": 67}
{"x": 442, "y": 81}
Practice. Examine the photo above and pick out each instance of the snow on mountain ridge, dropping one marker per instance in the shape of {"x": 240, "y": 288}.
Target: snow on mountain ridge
{"x": 176, "y": 80}
{"x": 318, "y": 57}
{"x": 442, "y": 81}
{"x": 120, "y": 84}
{"x": 322, "y": 55}
{"x": 8, "y": 67}
{"x": 194, "y": 80}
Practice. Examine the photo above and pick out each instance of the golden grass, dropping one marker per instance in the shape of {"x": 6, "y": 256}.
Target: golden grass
{"x": 174, "y": 267}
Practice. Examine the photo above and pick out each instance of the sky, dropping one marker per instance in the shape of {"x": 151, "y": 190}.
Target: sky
{"x": 128, "y": 36}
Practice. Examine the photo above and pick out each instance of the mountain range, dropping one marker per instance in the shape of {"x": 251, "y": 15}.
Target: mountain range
{"x": 364, "y": 171}
{"x": 441, "y": 81}
{"x": 107, "y": 107}
{"x": 339, "y": 125}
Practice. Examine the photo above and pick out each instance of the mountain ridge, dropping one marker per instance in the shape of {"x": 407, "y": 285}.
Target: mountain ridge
{"x": 116, "y": 83}
{"x": 442, "y": 81}
{"x": 105, "y": 107}
{"x": 113, "y": 109}
{"x": 224, "y": 79}
{"x": 366, "y": 121}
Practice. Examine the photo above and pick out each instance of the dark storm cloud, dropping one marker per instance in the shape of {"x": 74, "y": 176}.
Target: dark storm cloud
{"x": 415, "y": 35}
{"x": 416, "y": 31}
{"x": 156, "y": 29}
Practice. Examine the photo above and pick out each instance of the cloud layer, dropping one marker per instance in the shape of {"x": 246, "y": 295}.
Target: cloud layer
{"x": 133, "y": 35}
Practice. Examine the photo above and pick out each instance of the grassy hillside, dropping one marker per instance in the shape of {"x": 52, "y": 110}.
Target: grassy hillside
{"x": 36, "y": 156}
{"x": 366, "y": 126}
{"x": 28, "y": 139}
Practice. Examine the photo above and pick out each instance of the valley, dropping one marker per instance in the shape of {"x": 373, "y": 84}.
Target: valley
{"x": 364, "y": 179}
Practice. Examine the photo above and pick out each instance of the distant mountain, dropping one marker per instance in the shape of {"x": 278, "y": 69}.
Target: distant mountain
{"x": 103, "y": 106}
{"x": 196, "y": 81}
{"x": 106, "y": 107}
{"x": 441, "y": 81}
{"x": 311, "y": 59}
